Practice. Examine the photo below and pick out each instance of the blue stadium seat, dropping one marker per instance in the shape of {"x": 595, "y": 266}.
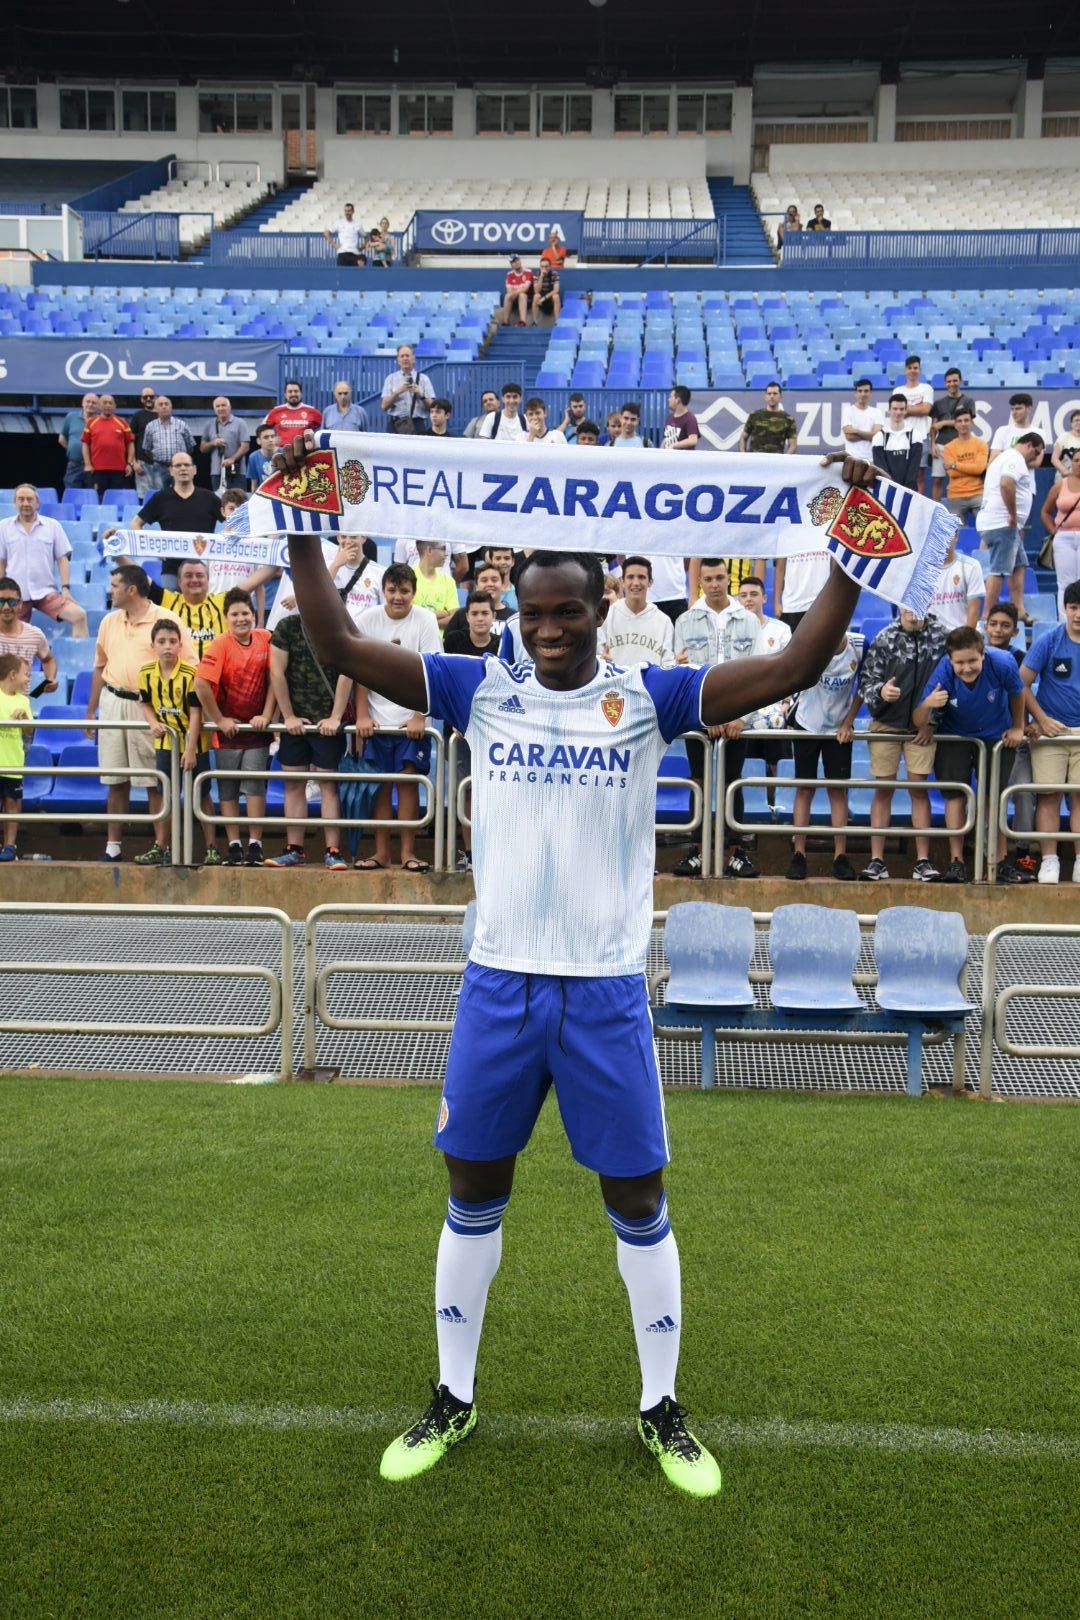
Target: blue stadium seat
{"x": 709, "y": 949}
{"x": 54, "y": 742}
{"x": 921, "y": 955}
{"x": 78, "y": 793}
{"x": 80, "y": 691}
{"x": 814, "y": 952}
{"x": 37, "y": 788}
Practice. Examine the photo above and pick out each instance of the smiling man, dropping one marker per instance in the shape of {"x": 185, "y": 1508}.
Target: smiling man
{"x": 555, "y": 993}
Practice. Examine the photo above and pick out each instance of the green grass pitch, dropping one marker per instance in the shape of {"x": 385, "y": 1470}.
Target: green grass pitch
{"x": 215, "y": 1309}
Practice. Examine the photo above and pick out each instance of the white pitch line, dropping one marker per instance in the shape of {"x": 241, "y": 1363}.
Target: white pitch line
{"x": 756, "y": 1434}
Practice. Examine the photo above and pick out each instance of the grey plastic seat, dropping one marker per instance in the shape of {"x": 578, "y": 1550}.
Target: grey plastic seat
{"x": 814, "y": 951}
{"x": 921, "y": 955}
{"x": 709, "y": 949}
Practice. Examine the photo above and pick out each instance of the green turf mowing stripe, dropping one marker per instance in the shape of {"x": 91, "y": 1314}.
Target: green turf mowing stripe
{"x": 756, "y": 1434}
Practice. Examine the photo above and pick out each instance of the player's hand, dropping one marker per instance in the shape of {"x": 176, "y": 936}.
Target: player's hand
{"x": 90, "y": 732}
{"x": 295, "y": 724}
{"x": 415, "y": 726}
{"x": 682, "y": 656}
{"x": 733, "y": 730}
{"x": 188, "y": 759}
{"x": 291, "y": 457}
{"x": 714, "y": 733}
{"x": 365, "y": 727}
{"x": 845, "y": 733}
{"x": 107, "y": 534}
{"x": 1013, "y": 737}
{"x": 329, "y": 727}
{"x": 228, "y": 726}
{"x": 853, "y": 471}
{"x": 52, "y": 686}
{"x": 288, "y": 602}
{"x": 938, "y": 698}
{"x": 924, "y": 736}
{"x": 1051, "y": 727}
{"x": 349, "y": 546}
{"x": 890, "y": 691}
{"x": 259, "y": 722}
{"x": 157, "y": 729}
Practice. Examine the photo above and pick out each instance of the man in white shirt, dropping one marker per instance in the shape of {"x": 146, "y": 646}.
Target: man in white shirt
{"x": 958, "y": 595}
{"x": 1007, "y": 496}
{"x": 455, "y": 563}
{"x": 398, "y": 621}
{"x": 343, "y": 559}
{"x": 637, "y": 631}
{"x": 775, "y": 636}
{"x": 36, "y": 551}
{"x": 920, "y": 401}
{"x": 798, "y": 579}
{"x": 1021, "y": 411}
{"x": 347, "y": 234}
{"x": 860, "y": 422}
{"x": 507, "y": 424}
{"x": 539, "y": 432}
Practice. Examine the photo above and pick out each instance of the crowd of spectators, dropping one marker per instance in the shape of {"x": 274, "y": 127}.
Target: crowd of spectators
{"x": 205, "y": 660}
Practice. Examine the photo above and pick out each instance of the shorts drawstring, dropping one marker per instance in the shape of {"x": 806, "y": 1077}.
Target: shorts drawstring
{"x": 562, "y": 1014}
{"x": 525, "y": 1014}
{"x": 562, "y": 1009}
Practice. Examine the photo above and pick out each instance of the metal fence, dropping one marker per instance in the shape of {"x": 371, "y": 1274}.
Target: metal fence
{"x": 929, "y": 250}
{"x": 996, "y": 1003}
{"x": 463, "y": 384}
{"x": 673, "y": 241}
{"x": 118, "y": 235}
{"x": 287, "y": 250}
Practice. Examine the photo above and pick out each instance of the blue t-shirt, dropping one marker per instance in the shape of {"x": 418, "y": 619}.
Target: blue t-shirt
{"x": 1055, "y": 659}
{"x": 982, "y": 710}
{"x": 71, "y": 428}
{"x": 258, "y": 467}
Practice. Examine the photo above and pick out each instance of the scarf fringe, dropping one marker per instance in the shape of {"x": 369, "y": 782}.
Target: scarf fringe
{"x": 929, "y": 562}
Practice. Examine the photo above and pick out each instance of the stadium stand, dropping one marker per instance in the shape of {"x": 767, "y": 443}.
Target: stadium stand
{"x": 919, "y": 199}
{"x": 227, "y": 201}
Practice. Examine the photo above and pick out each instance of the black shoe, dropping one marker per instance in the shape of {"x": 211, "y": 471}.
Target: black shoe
{"x": 796, "y": 872}
{"x": 740, "y": 865}
{"x": 235, "y": 857}
{"x": 843, "y": 870}
{"x": 1008, "y": 873}
{"x": 690, "y": 865}
{"x": 255, "y": 854}
{"x": 955, "y": 872}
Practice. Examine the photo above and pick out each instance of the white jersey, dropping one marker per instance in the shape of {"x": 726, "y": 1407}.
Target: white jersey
{"x": 959, "y": 582}
{"x": 364, "y": 592}
{"x": 563, "y": 808}
{"x": 822, "y": 707}
{"x": 419, "y": 632}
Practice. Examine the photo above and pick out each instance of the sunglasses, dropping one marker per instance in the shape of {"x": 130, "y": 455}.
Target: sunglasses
{"x": 10, "y": 601}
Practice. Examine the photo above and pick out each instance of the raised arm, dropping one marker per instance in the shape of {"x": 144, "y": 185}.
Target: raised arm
{"x": 392, "y": 671}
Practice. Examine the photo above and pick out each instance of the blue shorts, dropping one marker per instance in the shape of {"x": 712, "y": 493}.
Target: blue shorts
{"x": 1006, "y": 550}
{"x": 516, "y": 1034}
{"x": 393, "y": 753}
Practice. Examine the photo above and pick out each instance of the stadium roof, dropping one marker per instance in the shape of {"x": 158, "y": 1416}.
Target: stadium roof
{"x": 473, "y": 40}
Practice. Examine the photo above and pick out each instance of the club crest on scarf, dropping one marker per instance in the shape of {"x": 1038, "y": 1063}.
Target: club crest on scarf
{"x": 355, "y": 482}
{"x": 200, "y": 543}
{"x": 314, "y": 487}
{"x": 861, "y": 524}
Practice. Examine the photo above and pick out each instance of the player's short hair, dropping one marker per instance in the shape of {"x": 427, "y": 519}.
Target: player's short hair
{"x": 898, "y": 399}
{"x": 1021, "y": 399}
{"x": 715, "y": 562}
{"x": 633, "y": 407}
{"x": 576, "y": 396}
{"x": 863, "y": 382}
{"x": 963, "y": 410}
{"x": 264, "y": 427}
{"x": 10, "y": 586}
{"x": 913, "y": 360}
{"x": 954, "y": 371}
{"x": 1032, "y": 438}
{"x": 9, "y": 663}
{"x": 190, "y": 562}
{"x": 637, "y": 562}
{"x": 1071, "y": 597}
{"x": 488, "y": 567}
{"x": 535, "y": 404}
{"x": 399, "y": 574}
{"x": 164, "y": 624}
{"x": 233, "y": 497}
{"x": 292, "y": 382}
{"x": 441, "y": 405}
{"x": 682, "y": 393}
{"x": 773, "y": 384}
{"x": 131, "y": 574}
{"x": 752, "y": 579}
{"x": 483, "y": 598}
{"x": 963, "y": 638}
{"x": 588, "y": 426}
{"x": 233, "y": 597}
{"x": 589, "y": 563}
{"x": 1009, "y": 609}
{"x": 511, "y": 388}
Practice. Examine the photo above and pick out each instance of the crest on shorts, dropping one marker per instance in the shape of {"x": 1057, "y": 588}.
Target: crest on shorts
{"x": 444, "y": 1115}
{"x": 200, "y": 543}
{"x": 612, "y": 705}
{"x": 355, "y": 482}
{"x": 314, "y": 487}
{"x": 866, "y": 527}
{"x": 825, "y": 505}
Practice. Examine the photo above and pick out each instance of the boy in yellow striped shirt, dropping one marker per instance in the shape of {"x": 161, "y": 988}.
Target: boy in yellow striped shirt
{"x": 167, "y": 697}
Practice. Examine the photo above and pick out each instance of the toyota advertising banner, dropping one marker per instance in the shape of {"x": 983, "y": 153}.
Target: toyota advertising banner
{"x": 818, "y": 413}
{"x": 494, "y": 231}
{"x": 80, "y": 365}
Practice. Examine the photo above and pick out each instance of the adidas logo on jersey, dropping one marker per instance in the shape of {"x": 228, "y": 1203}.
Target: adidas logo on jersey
{"x": 450, "y": 1313}
{"x": 512, "y": 705}
{"x": 663, "y": 1325}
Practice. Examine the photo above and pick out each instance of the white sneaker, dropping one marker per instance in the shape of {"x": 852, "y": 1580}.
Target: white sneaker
{"x": 1049, "y": 869}
{"x": 1076, "y": 868}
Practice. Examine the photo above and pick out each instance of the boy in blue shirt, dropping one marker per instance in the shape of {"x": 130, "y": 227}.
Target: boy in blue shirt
{"x": 974, "y": 692}
{"x": 1054, "y": 661}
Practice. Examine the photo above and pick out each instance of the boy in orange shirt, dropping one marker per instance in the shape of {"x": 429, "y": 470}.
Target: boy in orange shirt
{"x": 966, "y": 459}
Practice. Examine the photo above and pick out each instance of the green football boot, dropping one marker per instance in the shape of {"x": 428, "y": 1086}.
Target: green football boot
{"x": 684, "y": 1460}
{"x": 446, "y": 1422}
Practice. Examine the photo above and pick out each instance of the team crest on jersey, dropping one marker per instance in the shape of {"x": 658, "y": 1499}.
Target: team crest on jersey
{"x": 355, "y": 482}
{"x": 444, "y": 1115}
{"x": 866, "y": 527}
{"x": 200, "y": 543}
{"x": 612, "y": 705}
{"x": 825, "y": 505}
{"x": 314, "y": 487}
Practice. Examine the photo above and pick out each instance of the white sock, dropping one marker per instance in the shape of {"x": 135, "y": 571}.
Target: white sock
{"x": 648, "y": 1260}
{"x": 112, "y": 847}
{"x": 470, "y": 1248}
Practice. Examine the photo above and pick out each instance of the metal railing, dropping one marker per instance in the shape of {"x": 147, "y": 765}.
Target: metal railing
{"x": 974, "y": 821}
{"x": 700, "y": 800}
{"x": 462, "y": 383}
{"x": 930, "y": 250}
{"x": 995, "y": 1003}
{"x": 432, "y": 785}
{"x": 279, "y": 985}
{"x": 126, "y": 234}
{"x": 1000, "y": 796}
{"x": 169, "y": 786}
{"x": 288, "y": 250}
{"x": 645, "y": 240}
